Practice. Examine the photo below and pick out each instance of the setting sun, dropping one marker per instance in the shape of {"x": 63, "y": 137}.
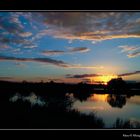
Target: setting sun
{"x": 102, "y": 79}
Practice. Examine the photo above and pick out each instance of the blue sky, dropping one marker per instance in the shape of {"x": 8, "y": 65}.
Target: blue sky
{"x": 59, "y": 46}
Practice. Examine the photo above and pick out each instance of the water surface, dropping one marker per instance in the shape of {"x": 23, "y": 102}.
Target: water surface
{"x": 110, "y": 107}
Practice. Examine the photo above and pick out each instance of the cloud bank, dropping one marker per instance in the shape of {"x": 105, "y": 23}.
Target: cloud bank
{"x": 92, "y": 25}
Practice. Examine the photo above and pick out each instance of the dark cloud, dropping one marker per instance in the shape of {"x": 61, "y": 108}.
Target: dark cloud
{"x": 42, "y": 60}
{"x": 51, "y": 61}
{"x": 129, "y": 73}
{"x": 71, "y": 50}
{"x": 52, "y": 52}
{"x": 82, "y": 75}
{"x": 47, "y": 61}
{"x": 14, "y": 40}
{"x": 5, "y": 40}
{"x": 79, "y": 49}
{"x": 134, "y": 54}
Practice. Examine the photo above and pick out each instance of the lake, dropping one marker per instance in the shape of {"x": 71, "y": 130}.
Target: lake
{"x": 74, "y": 110}
{"x": 110, "y": 107}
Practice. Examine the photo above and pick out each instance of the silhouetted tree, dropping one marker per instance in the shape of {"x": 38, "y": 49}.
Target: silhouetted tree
{"x": 117, "y": 84}
{"x": 52, "y": 82}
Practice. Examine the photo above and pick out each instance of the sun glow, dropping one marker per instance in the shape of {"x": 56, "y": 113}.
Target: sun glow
{"x": 102, "y": 79}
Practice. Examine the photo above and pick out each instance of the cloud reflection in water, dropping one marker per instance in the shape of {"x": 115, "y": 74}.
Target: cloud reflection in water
{"x": 32, "y": 98}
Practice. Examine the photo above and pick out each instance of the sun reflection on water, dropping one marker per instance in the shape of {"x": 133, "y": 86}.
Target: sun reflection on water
{"x": 97, "y": 97}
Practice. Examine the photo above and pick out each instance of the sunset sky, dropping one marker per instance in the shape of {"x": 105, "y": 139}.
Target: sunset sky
{"x": 69, "y": 46}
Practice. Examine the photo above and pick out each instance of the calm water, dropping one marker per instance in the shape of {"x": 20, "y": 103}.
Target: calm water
{"x": 110, "y": 107}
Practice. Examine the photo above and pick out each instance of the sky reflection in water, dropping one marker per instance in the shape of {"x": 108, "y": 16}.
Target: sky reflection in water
{"x": 110, "y": 107}
{"x": 32, "y": 98}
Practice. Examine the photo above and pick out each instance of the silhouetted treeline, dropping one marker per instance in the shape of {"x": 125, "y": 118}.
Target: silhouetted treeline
{"x": 117, "y": 86}
{"x": 43, "y": 87}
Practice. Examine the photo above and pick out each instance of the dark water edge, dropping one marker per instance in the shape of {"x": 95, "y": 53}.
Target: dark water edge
{"x": 49, "y": 106}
